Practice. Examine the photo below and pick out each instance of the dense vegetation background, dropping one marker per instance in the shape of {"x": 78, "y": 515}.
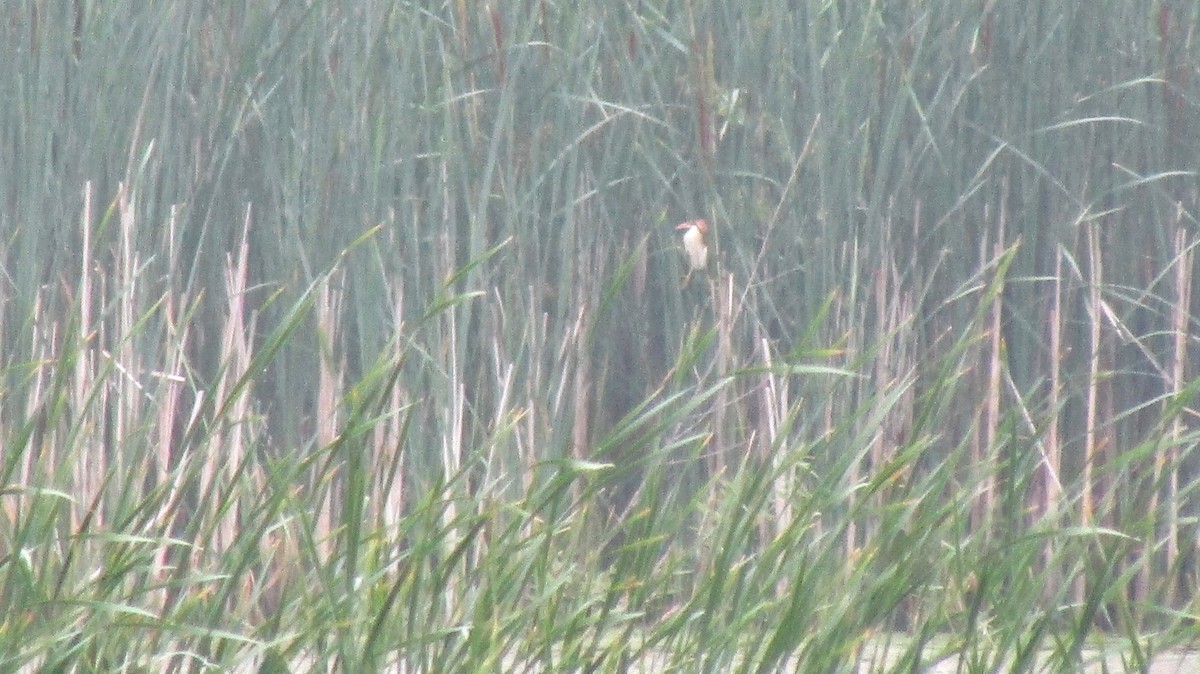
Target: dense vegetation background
{"x": 351, "y": 334}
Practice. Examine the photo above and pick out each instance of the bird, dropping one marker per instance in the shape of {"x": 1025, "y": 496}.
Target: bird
{"x": 695, "y": 245}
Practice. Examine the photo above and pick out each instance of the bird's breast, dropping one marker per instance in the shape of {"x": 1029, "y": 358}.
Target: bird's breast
{"x": 694, "y": 246}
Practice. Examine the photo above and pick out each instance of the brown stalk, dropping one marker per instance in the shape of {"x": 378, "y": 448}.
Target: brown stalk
{"x": 1180, "y": 316}
{"x": 498, "y": 36}
{"x": 330, "y": 379}
{"x": 231, "y": 440}
{"x": 1090, "y": 450}
{"x": 84, "y": 375}
{"x": 703, "y": 79}
{"x": 1052, "y": 467}
{"x": 995, "y": 369}
{"x": 723, "y": 311}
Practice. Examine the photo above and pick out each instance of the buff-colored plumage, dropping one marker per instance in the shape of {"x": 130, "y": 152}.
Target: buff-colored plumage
{"x": 695, "y": 245}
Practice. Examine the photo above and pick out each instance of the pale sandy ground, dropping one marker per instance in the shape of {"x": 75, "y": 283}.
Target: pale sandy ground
{"x": 1094, "y": 662}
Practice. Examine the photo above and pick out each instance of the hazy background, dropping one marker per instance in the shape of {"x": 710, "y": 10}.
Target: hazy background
{"x": 357, "y": 328}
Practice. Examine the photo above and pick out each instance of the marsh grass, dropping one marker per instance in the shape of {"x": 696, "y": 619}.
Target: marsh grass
{"x": 352, "y": 337}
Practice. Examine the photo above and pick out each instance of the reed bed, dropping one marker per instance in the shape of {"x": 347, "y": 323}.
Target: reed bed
{"x": 350, "y": 336}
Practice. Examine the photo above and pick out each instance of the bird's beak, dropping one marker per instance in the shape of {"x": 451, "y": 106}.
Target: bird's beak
{"x": 684, "y": 225}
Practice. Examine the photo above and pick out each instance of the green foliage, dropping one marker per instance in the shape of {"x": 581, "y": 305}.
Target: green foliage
{"x": 340, "y": 337}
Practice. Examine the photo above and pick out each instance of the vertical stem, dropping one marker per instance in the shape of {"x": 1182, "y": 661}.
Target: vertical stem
{"x": 230, "y": 434}
{"x": 580, "y": 429}
{"x": 1179, "y": 326}
{"x": 83, "y": 372}
{"x": 1052, "y": 487}
{"x": 1087, "y": 497}
{"x": 883, "y": 368}
{"x": 724, "y": 316}
{"x": 129, "y": 392}
{"x": 329, "y": 392}
{"x": 992, "y": 410}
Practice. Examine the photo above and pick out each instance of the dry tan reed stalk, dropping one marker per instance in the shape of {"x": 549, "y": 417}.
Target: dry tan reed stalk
{"x": 1181, "y": 314}
{"x": 1052, "y": 466}
{"x": 225, "y": 450}
{"x": 721, "y": 453}
{"x": 994, "y": 377}
{"x": 331, "y": 367}
{"x": 1087, "y": 503}
{"x": 388, "y": 435}
{"x": 84, "y": 375}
